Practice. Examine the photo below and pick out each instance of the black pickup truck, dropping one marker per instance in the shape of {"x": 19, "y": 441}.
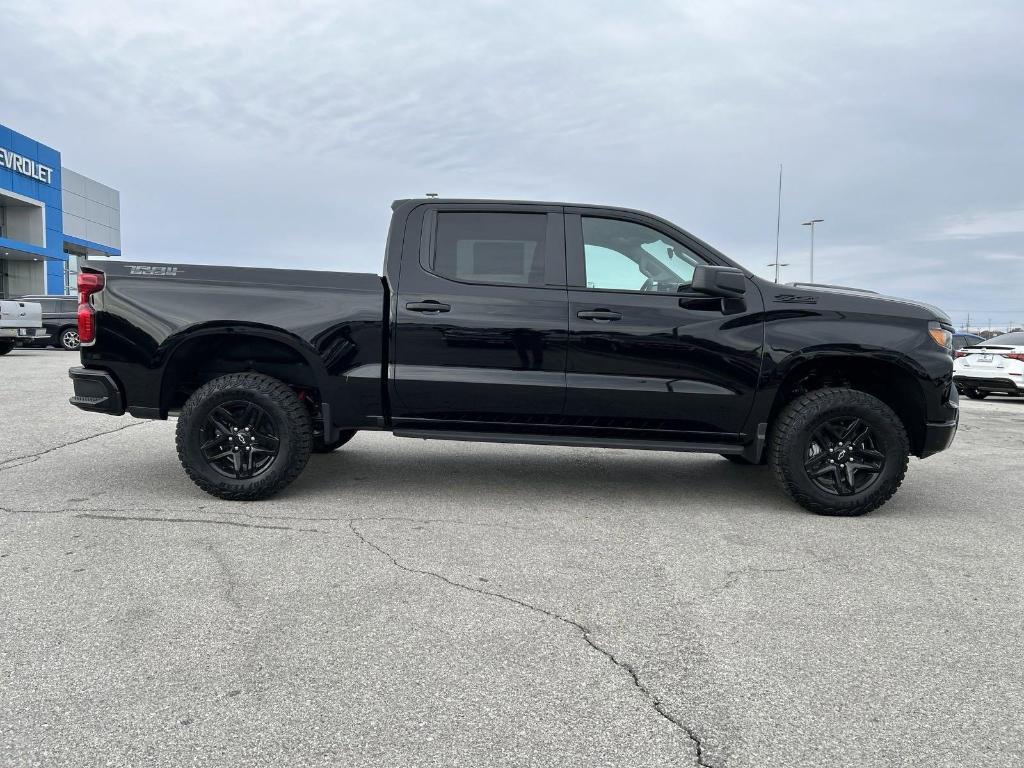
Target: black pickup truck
{"x": 522, "y": 322}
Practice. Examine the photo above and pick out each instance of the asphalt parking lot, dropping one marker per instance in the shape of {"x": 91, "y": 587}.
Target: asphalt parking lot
{"x": 410, "y": 603}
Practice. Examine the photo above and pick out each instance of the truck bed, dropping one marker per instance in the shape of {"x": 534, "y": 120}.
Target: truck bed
{"x": 331, "y": 322}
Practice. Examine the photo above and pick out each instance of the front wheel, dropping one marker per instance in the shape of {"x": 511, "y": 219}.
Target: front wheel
{"x": 839, "y": 452}
{"x": 244, "y": 436}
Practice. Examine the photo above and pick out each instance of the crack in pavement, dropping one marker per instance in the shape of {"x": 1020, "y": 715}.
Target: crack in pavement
{"x": 657, "y": 704}
{"x": 28, "y": 458}
{"x": 96, "y": 514}
{"x": 388, "y": 518}
{"x": 144, "y": 519}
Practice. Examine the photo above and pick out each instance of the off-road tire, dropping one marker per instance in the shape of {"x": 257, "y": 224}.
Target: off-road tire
{"x": 291, "y": 420}
{"x": 976, "y": 395}
{"x": 6, "y": 346}
{"x": 319, "y": 446}
{"x": 790, "y": 435}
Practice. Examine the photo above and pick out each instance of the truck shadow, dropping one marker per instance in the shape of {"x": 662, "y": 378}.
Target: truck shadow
{"x": 548, "y": 476}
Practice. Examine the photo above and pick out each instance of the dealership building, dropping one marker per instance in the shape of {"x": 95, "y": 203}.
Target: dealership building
{"x": 50, "y": 217}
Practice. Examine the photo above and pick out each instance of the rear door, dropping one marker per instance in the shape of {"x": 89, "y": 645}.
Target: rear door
{"x": 646, "y": 353}
{"x": 481, "y": 317}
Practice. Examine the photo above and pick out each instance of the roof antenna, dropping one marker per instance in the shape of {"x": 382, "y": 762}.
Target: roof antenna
{"x": 431, "y": 194}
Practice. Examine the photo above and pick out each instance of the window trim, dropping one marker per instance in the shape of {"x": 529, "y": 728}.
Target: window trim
{"x": 554, "y": 244}
{"x": 575, "y": 256}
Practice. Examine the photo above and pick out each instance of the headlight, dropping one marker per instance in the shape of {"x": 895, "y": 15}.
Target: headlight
{"x": 941, "y": 336}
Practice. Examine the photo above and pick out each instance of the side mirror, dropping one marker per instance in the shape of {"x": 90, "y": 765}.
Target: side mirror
{"x": 719, "y": 281}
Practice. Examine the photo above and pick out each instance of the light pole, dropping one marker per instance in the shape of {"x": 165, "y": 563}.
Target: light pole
{"x": 777, "y": 264}
{"x": 811, "y": 224}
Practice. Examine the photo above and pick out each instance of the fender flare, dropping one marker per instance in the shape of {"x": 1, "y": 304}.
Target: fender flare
{"x": 173, "y": 344}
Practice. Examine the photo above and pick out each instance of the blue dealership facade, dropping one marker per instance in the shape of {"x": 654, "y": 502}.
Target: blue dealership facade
{"x": 50, "y": 217}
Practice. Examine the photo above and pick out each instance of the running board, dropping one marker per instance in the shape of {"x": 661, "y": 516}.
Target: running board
{"x": 572, "y": 441}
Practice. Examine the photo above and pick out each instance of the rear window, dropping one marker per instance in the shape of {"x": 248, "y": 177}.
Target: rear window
{"x": 1015, "y": 339}
{"x": 491, "y": 247}
{"x": 963, "y": 340}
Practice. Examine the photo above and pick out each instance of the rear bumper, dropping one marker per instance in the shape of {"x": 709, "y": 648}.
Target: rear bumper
{"x": 24, "y": 334}
{"x": 988, "y": 383}
{"x": 97, "y": 391}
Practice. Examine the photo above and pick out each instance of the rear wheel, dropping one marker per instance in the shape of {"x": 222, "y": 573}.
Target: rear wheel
{"x": 6, "y": 346}
{"x": 839, "y": 451}
{"x": 68, "y": 339}
{"x": 244, "y": 436}
{"x": 976, "y": 395}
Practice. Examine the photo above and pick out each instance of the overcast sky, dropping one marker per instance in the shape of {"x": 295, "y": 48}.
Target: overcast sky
{"x": 277, "y": 133}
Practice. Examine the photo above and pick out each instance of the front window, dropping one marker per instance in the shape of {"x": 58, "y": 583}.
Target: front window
{"x": 624, "y": 256}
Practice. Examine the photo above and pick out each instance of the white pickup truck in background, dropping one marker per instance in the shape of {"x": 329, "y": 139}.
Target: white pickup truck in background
{"x": 19, "y": 320}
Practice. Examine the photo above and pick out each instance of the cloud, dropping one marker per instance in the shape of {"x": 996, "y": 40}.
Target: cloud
{"x": 263, "y": 132}
{"x": 983, "y": 225}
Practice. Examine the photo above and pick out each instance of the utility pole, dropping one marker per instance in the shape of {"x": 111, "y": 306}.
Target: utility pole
{"x": 778, "y": 229}
{"x": 811, "y": 224}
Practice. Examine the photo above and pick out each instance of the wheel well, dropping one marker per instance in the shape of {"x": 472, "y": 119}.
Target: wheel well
{"x": 890, "y": 383}
{"x": 204, "y": 358}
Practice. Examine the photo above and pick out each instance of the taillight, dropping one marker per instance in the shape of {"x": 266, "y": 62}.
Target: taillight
{"x": 1015, "y": 356}
{"x": 88, "y": 284}
{"x": 960, "y": 353}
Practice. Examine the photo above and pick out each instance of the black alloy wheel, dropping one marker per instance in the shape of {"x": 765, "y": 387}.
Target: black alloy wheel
{"x": 244, "y": 436}
{"x": 239, "y": 440}
{"x": 838, "y": 451}
{"x": 844, "y": 456}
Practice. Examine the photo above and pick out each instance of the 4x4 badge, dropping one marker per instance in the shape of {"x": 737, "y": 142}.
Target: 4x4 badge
{"x": 155, "y": 271}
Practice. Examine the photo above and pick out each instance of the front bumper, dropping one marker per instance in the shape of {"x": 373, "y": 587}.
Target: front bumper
{"x": 97, "y": 391}
{"x": 938, "y": 437}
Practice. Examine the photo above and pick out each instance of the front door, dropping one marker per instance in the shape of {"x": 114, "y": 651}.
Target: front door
{"x": 482, "y": 319}
{"x": 645, "y": 352}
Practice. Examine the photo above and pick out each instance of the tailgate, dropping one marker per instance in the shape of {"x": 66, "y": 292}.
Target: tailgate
{"x": 21, "y": 314}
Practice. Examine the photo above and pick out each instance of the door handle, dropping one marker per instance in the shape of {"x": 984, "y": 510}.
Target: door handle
{"x": 699, "y": 303}
{"x": 599, "y": 315}
{"x": 427, "y": 306}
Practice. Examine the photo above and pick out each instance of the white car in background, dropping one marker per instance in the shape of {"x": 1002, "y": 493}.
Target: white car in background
{"x": 991, "y": 367}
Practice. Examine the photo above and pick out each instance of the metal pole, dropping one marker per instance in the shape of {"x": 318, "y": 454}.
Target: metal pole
{"x": 778, "y": 225}
{"x": 812, "y": 252}
{"x": 811, "y": 224}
